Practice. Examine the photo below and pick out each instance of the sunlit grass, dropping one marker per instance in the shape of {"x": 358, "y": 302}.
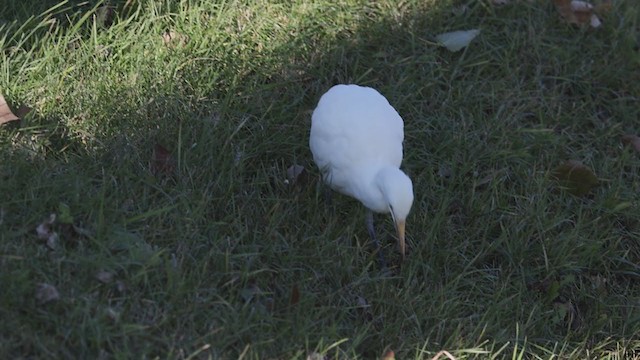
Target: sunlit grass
{"x": 502, "y": 263}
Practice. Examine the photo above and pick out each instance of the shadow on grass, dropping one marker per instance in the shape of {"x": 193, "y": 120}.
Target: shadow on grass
{"x": 65, "y": 13}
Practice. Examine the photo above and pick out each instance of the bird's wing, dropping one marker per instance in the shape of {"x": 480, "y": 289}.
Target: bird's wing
{"x": 353, "y": 126}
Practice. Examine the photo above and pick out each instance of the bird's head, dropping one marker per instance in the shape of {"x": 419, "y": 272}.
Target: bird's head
{"x": 398, "y": 192}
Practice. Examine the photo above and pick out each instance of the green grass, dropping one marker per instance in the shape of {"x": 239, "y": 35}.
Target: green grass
{"x": 205, "y": 260}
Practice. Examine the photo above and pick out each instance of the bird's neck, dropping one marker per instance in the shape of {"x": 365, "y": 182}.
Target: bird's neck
{"x": 396, "y": 190}
{"x": 372, "y": 185}
{"x": 385, "y": 178}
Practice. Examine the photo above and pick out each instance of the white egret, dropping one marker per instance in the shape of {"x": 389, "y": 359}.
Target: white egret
{"x": 356, "y": 140}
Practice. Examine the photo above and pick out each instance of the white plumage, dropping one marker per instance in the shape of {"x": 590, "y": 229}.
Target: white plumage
{"x": 356, "y": 141}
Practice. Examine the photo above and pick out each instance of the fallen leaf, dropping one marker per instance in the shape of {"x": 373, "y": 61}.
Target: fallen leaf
{"x": 578, "y": 12}
{"x": 162, "y": 162}
{"x": 44, "y": 229}
{"x": 45, "y": 232}
{"x": 52, "y": 241}
{"x": 46, "y": 293}
{"x": 104, "y": 276}
{"x": 5, "y": 112}
{"x": 294, "y": 299}
{"x": 633, "y": 140}
{"x": 456, "y": 40}
{"x": 293, "y": 173}
{"x": 173, "y": 38}
{"x": 575, "y": 177}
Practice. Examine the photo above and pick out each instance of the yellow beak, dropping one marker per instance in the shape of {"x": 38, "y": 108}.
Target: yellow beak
{"x": 400, "y": 230}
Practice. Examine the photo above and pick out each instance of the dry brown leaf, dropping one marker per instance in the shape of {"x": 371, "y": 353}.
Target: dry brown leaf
{"x": 173, "y": 38}
{"x": 575, "y": 177}
{"x": 632, "y": 140}
{"x": 293, "y": 173}
{"x": 578, "y": 12}
{"x": 5, "y": 112}
{"x": 162, "y": 162}
{"x": 46, "y": 293}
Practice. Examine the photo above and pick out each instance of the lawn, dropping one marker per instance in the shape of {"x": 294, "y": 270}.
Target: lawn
{"x": 160, "y": 134}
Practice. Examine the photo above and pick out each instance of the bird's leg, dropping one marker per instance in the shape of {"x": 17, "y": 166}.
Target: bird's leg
{"x": 372, "y": 233}
{"x": 327, "y": 193}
